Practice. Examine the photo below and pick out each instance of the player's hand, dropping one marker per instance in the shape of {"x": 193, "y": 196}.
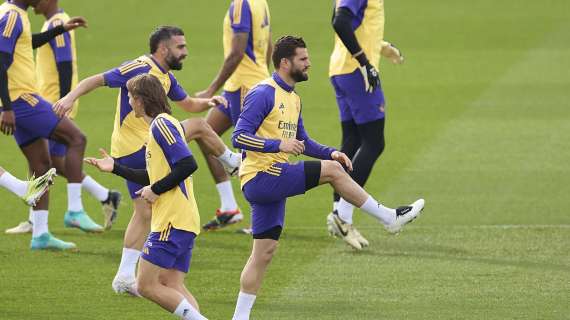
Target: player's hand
{"x": 342, "y": 159}
{"x": 75, "y": 23}
{"x": 392, "y": 53}
{"x": 147, "y": 194}
{"x": 104, "y": 164}
{"x": 292, "y": 146}
{"x": 205, "y": 94}
{"x": 63, "y": 106}
{"x": 371, "y": 77}
{"x": 217, "y": 100}
{"x": 7, "y": 122}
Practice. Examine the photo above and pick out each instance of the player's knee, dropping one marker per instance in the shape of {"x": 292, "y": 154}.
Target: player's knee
{"x": 145, "y": 287}
{"x": 333, "y": 169}
{"x": 266, "y": 255}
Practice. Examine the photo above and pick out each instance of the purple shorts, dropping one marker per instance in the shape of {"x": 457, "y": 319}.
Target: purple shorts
{"x": 233, "y": 110}
{"x": 268, "y": 191}
{"x": 134, "y": 161}
{"x": 57, "y": 149}
{"x": 354, "y": 103}
{"x": 35, "y": 119}
{"x": 170, "y": 249}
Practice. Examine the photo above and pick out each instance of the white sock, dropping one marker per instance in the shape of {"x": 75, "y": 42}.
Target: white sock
{"x": 335, "y": 205}
{"x": 345, "y": 211}
{"x": 230, "y": 159}
{"x": 31, "y": 215}
{"x": 98, "y": 191}
{"x": 243, "y": 306}
{"x": 129, "y": 260}
{"x": 187, "y": 312}
{"x": 13, "y": 184}
{"x": 74, "y": 197}
{"x": 227, "y": 199}
{"x": 39, "y": 222}
{"x": 377, "y": 210}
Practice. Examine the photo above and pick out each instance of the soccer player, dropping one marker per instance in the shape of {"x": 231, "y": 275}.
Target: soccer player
{"x": 175, "y": 219}
{"x": 30, "y": 191}
{"x": 31, "y": 120}
{"x": 359, "y": 27}
{"x": 269, "y": 129}
{"x": 56, "y": 69}
{"x": 167, "y": 51}
{"x": 247, "y": 50}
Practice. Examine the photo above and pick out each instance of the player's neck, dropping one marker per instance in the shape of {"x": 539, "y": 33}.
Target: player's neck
{"x": 51, "y": 12}
{"x": 160, "y": 62}
{"x": 147, "y": 119}
{"x": 286, "y": 78}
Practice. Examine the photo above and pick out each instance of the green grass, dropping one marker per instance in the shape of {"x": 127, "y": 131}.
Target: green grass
{"x": 478, "y": 125}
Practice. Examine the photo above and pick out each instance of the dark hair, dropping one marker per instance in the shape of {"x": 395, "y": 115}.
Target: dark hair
{"x": 285, "y": 48}
{"x": 149, "y": 89}
{"x": 163, "y": 33}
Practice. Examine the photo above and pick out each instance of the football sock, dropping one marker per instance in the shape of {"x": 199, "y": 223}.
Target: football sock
{"x": 31, "y": 215}
{"x": 227, "y": 199}
{"x": 377, "y": 210}
{"x": 187, "y": 312}
{"x": 345, "y": 211}
{"x": 13, "y": 184}
{"x": 74, "y": 197}
{"x": 94, "y": 188}
{"x": 243, "y": 306}
{"x": 128, "y": 265}
{"x": 335, "y": 205}
{"x": 230, "y": 159}
{"x": 39, "y": 223}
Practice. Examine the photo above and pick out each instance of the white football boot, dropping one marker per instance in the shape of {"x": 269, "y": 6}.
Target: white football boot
{"x": 122, "y": 284}
{"x": 405, "y": 215}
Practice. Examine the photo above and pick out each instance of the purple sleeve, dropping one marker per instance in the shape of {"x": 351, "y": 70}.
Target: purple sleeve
{"x": 176, "y": 92}
{"x": 355, "y": 6}
{"x": 256, "y": 106}
{"x": 61, "y": 45}
{"x": 313, "y": 149}
{"x": 10, "y": 30}
{"x": 172, "y": 144}
{"x": 118, "y": 77}
{"x": 240, "y": 16}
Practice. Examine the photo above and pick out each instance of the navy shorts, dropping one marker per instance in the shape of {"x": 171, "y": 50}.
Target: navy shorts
{"x": 354, "y": 103}
{"x": 235, "y": 99}
{"x": 169, "y": 249}
{"x": 268, "y": 191}
{"x": 134, "y": 161}
{"x": 35, "y": 119}
{"x": 57, "y": 149}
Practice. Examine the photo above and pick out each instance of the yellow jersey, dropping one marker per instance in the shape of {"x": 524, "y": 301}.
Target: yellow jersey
{"x": 251, "y": 17}
{"x": 130, "y": 133}
{"x": 60, "y": 49}
{"x": 368, "y": 26}
{"x": 166, "y": 146}
{"x": 16, "y": 40}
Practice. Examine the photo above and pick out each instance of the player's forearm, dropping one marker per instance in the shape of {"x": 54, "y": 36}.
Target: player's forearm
{"x": 65, "y": 73}
{"x": 86, "y": 85}
{"x": 139, "y": 176}
{"x": 342, "y": 24}
{"x": 39, "y": 39}
{"x": 316, "y": 150}
{"x": 194, "y": 105}
{"x": 230, "y": 65}
{"x": 4, "y": 92}
{"x": 249, "y": 141}
{"x": 182, "y": 170}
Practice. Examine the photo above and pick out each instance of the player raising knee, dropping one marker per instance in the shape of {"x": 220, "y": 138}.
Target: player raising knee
{"x": 270, "y": 129}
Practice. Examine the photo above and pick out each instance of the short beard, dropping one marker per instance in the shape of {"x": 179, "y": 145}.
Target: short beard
{"x": 299, "y": 76}
{"x": 173, "y": 63}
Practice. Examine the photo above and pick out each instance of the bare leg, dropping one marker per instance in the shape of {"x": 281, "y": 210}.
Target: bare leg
{"x": 139, "y": 226}
{"x": 254, "y": 270}
{"x": 333, "y": 173}
{"x": 220, "y": 124}
{"x": 198, "y": 129}
{"x": 69, "y": 134}
{"x": 175, "y": 279}
{"x": 39, "y": 163}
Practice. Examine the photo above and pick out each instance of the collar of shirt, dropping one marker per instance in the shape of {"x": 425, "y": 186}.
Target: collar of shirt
{"x": 23, "y": 7}
{"x": 157, "y": 64}
{"x": 282, "y": 83}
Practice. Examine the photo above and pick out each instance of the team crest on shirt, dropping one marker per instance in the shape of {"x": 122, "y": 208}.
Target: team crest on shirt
{"x": 282, "y": 108}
